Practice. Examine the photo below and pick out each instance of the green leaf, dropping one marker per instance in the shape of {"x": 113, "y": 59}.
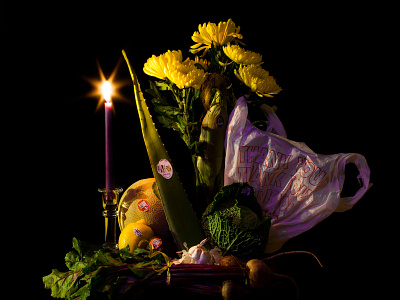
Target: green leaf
{"x": 141, "y": 254}
{"x": 151, "y": 92}
{"x": 158, "y": 98}
{"x": 171, "y": 124}
{"x": 104, "y": 257}
{"x": 76, "y": 244}
{"x": 167, "y": 110}
{"x": 62, "y": 284}
{"x": 83, "y": 248}
{"x": 181, "y": 123}
{"x": 74, "y": 261}
{"x": 84, "y": 292}
{"x": 162, "y": 85}
{"x": 125, "y": 254}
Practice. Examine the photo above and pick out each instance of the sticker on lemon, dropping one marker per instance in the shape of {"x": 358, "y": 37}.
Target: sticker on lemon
{"x": 133, "y": 233}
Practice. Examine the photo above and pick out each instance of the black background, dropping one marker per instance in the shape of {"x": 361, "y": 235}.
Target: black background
{"x": 322, "y": 57}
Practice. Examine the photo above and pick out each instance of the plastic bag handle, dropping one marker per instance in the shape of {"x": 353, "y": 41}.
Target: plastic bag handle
{"x": 274, "y": 124}
{"x": 363, "y": 176}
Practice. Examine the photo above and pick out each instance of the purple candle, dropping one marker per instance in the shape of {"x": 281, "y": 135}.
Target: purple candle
{"x": 106, "y": 91}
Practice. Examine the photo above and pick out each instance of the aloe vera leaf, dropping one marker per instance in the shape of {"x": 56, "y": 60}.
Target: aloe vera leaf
{"x": 181, "y": 218}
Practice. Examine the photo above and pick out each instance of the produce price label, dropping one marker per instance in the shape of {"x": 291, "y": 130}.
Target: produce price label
{"x": 156, "y": 243}
{"x": 143, "y": 205}
{"x": 164, "y": 168}
{"x": 137, "y": 232}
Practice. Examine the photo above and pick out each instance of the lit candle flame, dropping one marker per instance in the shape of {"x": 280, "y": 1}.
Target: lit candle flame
{"x": 106, "y": 90}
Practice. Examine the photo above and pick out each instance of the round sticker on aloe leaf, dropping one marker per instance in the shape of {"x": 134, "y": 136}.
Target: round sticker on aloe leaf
{"x": 164, "y": 168}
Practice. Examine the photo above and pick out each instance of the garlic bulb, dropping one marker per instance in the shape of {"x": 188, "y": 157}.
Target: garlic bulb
{"x": 199, "y": 255}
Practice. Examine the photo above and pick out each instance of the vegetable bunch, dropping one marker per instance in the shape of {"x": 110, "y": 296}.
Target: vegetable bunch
{"x": 92, "y": 272}
{"x": 95, "y": 273}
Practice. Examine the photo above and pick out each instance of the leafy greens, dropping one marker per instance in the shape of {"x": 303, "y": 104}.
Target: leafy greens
{"x": 93, "y": 272}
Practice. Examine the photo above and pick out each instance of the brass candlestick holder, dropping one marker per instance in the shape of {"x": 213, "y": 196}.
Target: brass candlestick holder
{"x": 110, "y": 213}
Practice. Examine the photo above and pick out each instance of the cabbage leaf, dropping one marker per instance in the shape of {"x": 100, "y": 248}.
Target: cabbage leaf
{"x": 234, "y": 222}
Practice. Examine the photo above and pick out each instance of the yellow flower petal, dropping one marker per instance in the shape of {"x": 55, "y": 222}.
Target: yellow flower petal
{"x": 258, "y": 80}
{"x": 210, "y": 33}
{"x": 186, "y": 74}
{"x": 153, "y": 67}
{"x": 158, "y": 66}
{"x": 241, "y": 56}
{"x": 183, "y": 73}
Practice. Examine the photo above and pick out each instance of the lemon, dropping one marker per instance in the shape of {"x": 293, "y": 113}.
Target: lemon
{"x": 133, "y": 233}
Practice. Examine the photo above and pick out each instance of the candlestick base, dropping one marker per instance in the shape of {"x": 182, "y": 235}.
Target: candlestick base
{"x": 110, "y": 213}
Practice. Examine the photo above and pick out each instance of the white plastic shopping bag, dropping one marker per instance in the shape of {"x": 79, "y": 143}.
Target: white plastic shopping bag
{"x": 295, "y": 186}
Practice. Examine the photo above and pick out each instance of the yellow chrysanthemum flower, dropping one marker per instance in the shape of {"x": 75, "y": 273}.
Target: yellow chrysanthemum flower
{"x": 154, "y": 67}
{"x": 158, "y": 66}
{"x": 219, "y": 35}
{"x": 183, "y": 74}
{"x": 241, "y": 56}
{"x": 258, "y": 80}
{"x": 186, "y": 74}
